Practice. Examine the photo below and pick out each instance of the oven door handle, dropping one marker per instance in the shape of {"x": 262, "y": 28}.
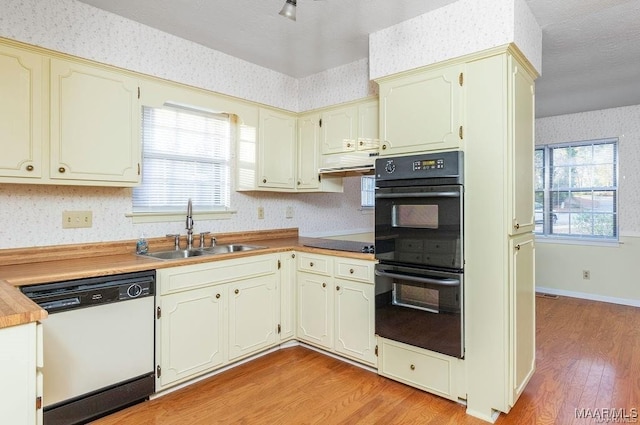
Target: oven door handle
{"x": 441, "y": 282}
{"x": 418, "y": 195}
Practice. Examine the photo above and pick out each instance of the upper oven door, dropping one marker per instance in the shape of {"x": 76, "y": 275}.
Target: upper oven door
{"x": 420, "y": 225}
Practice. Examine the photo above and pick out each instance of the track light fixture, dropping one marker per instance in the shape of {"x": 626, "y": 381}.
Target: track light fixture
{"x": 289, "y": 9}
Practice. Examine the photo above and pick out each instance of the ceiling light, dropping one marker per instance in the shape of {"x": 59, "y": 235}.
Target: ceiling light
{"x": 289, "y": 10}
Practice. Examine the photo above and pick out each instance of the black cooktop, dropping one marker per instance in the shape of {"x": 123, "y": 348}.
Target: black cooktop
{"x": 341, "y": 245}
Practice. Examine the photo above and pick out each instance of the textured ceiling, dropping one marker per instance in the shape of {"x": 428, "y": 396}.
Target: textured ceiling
{"x": 590, "y": 48}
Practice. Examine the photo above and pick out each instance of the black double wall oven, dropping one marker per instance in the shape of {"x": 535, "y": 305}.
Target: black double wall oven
{"x": 419, "y": 246}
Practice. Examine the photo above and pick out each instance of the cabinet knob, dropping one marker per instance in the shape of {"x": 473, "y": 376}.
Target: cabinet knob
{"x": 324, "y": 285}
{"x": 337, "y": 288}
{"x": 293, "y": 255}
{"x": 264, "y": 180}
{"x": 298, "y": 182}
{"x": 61, "y": 170}
{"x": 361, "y": 143}
{"x": 348, "y": 145}
{"x": 384, "y": 147}
{"x": 412, "y": 367}
{"x": 237, "y": 291}
{"x": 311, "y": 264}
{"x": 217, "y": 295}
{"x": 29, "y": 167}
{"x": 351, "y": 271}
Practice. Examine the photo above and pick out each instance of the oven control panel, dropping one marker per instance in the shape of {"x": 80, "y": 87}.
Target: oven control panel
{"x": 424, "y": 166}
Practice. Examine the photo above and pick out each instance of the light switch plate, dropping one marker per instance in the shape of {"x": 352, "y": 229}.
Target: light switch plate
{"x": 76, "y": 219}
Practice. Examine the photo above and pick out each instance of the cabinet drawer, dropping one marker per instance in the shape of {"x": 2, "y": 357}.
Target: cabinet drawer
{"x": 314, "y": 264}
{"x": 415, "y": 367}
{"x": 361, "y": 271}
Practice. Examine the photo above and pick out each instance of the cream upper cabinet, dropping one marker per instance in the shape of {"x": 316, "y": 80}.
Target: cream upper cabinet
{"x": 338, "y": 129}
{"x": 421, "y": 111}
{"x": 521, "y": 150}
{"x": 277, "y": 150}
{"x": 349, "y": 128}
{"x": 95, "y": 124}
{"x": 522, "y": 314}
{"x": 253, "y": 315}
{"x": 22, "y": 98}
{"x": 308, "y": 152}
{"x": 191, "y": 332}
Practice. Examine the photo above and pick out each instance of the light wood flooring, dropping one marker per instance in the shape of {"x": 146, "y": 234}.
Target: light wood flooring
{"x": 588, "y": 357}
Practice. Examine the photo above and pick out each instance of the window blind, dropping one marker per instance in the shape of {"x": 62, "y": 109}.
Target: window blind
{"x": 185, "y": 154}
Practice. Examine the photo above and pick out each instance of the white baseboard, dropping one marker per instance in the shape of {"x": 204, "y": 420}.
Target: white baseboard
{"x": 588, "y": 296}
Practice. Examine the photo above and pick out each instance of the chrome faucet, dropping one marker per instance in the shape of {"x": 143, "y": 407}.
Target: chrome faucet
{"x": 189, "y": 224}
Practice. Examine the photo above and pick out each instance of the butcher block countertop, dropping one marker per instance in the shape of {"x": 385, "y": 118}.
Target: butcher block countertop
{"x": 28, "y": 266}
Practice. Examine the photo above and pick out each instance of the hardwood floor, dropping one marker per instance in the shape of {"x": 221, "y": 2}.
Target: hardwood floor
{"x": 588, "y": 357}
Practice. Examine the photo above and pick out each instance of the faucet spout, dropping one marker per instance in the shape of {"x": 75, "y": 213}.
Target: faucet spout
{"x": 189, "y": 224}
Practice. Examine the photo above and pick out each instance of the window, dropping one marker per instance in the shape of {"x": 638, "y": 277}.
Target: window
{"x": 367, "y": 191}
{"x": 185, "y": 154}
{"x": 576, "y": 190}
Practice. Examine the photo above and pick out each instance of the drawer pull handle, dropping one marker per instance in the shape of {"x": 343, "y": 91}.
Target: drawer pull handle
{"x": 351, "y": 271}
{"x": 412, "y": 367}
{"x": 217, "y": 295}
{"x": 518, "y": 247}
{"x": 517, "y": 226}
{"x": 311, "y": 264}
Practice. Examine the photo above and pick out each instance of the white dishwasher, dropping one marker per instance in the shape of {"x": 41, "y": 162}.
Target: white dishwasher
{"x": 98, "y": 345}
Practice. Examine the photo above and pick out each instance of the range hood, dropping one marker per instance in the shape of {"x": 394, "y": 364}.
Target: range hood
{"x": 348, "y": 164}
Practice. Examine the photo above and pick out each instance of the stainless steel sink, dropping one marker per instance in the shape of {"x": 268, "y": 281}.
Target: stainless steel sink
{"x": 227, "y": 248}
{"x": 196, "y": 252}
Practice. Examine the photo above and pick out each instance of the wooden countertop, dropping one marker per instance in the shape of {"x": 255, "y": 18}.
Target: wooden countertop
{"x": 69, "y": 262}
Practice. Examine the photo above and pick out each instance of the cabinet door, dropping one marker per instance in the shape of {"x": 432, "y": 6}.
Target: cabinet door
{"x": 521, "y": 148}
{"x": 308, "y": 151}
{"x": 287, "y": 296}
{"x": 368, "y": 126}
{"x": 21, "y": 118}
{"x": 354, "y": 320}
{"x": 277, "y": 150}
{"x": 421, "y": 112}
{"x": 18, "y": 371}
{"x": 522, "y": 314}
{"x": 315, "y": 309}
{"x": 253, "y": 315}
{"x": 190, "y": 334}
{"x": 95, "y": 125}
{"x": 338, "y": 130}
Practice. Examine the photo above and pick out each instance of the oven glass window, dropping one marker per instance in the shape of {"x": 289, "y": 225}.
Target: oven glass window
{"x": 415, "y": 216}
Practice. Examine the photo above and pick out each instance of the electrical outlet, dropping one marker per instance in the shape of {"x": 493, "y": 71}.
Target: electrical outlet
{"x": 260, "y": 213}
{"x": 75, "y": 219}
{"x": 288, "y": 213}
{"x": 586, "y": 274}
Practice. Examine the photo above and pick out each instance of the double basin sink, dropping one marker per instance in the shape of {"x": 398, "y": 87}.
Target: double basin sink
{"x": 197, "y": 252}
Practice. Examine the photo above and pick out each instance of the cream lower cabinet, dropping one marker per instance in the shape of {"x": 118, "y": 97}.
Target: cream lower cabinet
{"x": 287, "y": 296}
{"x": 427, "y": 370}
{"x": 211, "y": 314}
{"x": 336, "y": 305}
{"x": 21, "y": 380}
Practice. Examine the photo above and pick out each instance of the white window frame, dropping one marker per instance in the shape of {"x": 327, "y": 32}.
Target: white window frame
{"x": 177, "y": 212}
{"x": 544, "y": 195}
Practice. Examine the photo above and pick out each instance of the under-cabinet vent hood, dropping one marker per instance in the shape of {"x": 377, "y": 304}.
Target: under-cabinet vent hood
{"x": 348, "y": 164}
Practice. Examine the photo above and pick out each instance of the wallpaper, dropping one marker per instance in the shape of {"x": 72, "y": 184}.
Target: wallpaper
{"x": 463, "y": 27}
{"x": 623, "y": 123}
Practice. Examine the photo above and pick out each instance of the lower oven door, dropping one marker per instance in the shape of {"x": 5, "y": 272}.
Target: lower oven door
{"x": 419, "y": 307}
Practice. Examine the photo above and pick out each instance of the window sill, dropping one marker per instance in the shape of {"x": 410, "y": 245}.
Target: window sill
{"x": 575, "y": 241}
{"x": 161, "y": 217}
